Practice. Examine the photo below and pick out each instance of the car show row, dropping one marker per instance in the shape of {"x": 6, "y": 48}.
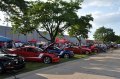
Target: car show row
{"x": 15, "y": 58}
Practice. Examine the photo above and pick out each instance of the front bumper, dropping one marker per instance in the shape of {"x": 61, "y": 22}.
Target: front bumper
{"x": 15, "y": 67}
{"x": 56, "y": 60}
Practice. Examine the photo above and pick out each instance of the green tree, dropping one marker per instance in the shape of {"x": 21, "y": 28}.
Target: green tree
{"x": 53, "y": 16}
{"x": 104, "y": 34}
{"x": 117, "y": 39}
{"x": 12, "y": 6}
{"x": 81, "y": 27}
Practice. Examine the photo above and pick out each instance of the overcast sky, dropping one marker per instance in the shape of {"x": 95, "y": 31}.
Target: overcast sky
{"x": 105, "y": 13}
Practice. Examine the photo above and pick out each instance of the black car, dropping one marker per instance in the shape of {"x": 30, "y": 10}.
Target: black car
{"x": 10, "y": 62}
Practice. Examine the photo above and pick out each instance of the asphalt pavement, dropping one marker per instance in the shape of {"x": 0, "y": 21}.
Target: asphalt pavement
{"x": 101, "y": 66}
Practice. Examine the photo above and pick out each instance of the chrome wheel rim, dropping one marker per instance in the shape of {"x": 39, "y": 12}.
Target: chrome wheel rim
{"x": 86, "y": 52}
{"x": 95, "y": 51}
{"x": 47, "y": 60}
{"x": 66, "y": 56}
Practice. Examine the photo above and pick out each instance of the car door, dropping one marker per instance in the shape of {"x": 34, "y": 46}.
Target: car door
{"x": 24, "y": 52}
{"x": 76, "y": 50}
{"x": 70, "y": 49}
{"x": 80, "y": 50}
{"x": 31, "y": 52}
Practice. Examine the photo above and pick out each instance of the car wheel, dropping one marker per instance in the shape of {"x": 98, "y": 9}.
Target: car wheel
{"x": 1, "y": 68}
{"x": 87, "y": 52}
{"x": 47, "y": 60}
{"x": 67, "y": 56}
{"x": 95, "y": 51}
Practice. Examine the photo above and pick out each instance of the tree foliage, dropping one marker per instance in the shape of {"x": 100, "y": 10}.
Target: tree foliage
{"x": 117, "y": 39}
{"x": 104, "y": 34}
{"x": 12, "y": 6}
{"x": 53, "y": 16}
{"x": 81, "y": 27}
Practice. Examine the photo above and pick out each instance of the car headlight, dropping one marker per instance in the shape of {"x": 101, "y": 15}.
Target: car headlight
{"x": 16, "y": 61}
{"x": 22, "y": 58}
{"x": 9, "y": 63}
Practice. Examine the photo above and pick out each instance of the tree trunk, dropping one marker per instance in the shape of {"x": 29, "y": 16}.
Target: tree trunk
{"x": 52, "y": 40}
{"x": 41, "y": 35}
{"x": 78, "y": 40}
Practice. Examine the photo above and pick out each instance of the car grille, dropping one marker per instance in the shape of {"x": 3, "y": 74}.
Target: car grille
{"x": 17, "y": 61}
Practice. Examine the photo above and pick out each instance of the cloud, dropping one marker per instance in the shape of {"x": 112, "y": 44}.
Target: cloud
{"x": 92, "y": 30}
{"x": 109, "y": 20}
{"x": 119, "y": 9}
{"x": 100, "y": 3}
{"x": 2, "y": 18}
{"x": 105, "y": 18}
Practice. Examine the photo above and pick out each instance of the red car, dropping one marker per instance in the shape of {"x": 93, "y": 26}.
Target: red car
{"x": 93, "y": 48}
{"x": 35, "y": 54}
{"x": 78, "y": 50}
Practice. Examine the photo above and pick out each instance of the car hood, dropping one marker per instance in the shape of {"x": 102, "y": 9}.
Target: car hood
{"x": 8, "y": 56}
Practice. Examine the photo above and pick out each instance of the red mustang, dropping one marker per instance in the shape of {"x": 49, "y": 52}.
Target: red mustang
{"x": 78, "y": 50}
{"x": 35, "y": 54}
{"x": 93, "y": 48}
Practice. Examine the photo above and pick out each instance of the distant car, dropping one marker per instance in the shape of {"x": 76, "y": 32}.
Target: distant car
{"x": 31, "y": 53}
{"x": 78, "y": 50}
{"x": 102, "y": 47}
{"x": 118, "y": 45}
{"x": 10, "y": 62}
{"x": 60, "y": 52}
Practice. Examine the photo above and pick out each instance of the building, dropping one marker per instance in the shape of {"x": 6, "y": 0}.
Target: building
{"x": 7, "y": 32}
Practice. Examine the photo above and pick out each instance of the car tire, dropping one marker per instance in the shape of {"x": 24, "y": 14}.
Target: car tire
{"x": 47, "y": 60}
{"x": 1, "y": 68}
{"x": 96, "y": 51}
{"x": 87, "y": 52}
{"x": 67, "y": 56}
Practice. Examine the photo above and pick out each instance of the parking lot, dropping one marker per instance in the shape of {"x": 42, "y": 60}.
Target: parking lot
{"x": 101, "y": 66}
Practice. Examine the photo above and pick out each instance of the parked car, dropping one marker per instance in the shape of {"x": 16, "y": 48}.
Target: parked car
{"x": 78, "y": 50}
{"x": 60, "y": 52}
{"x": 31, "y": 53}
{"x": 10, "y": 62}
{"x": 102, "y": 47}
{"x": 93, "y": 48}
{"x": 118, "y": 45}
